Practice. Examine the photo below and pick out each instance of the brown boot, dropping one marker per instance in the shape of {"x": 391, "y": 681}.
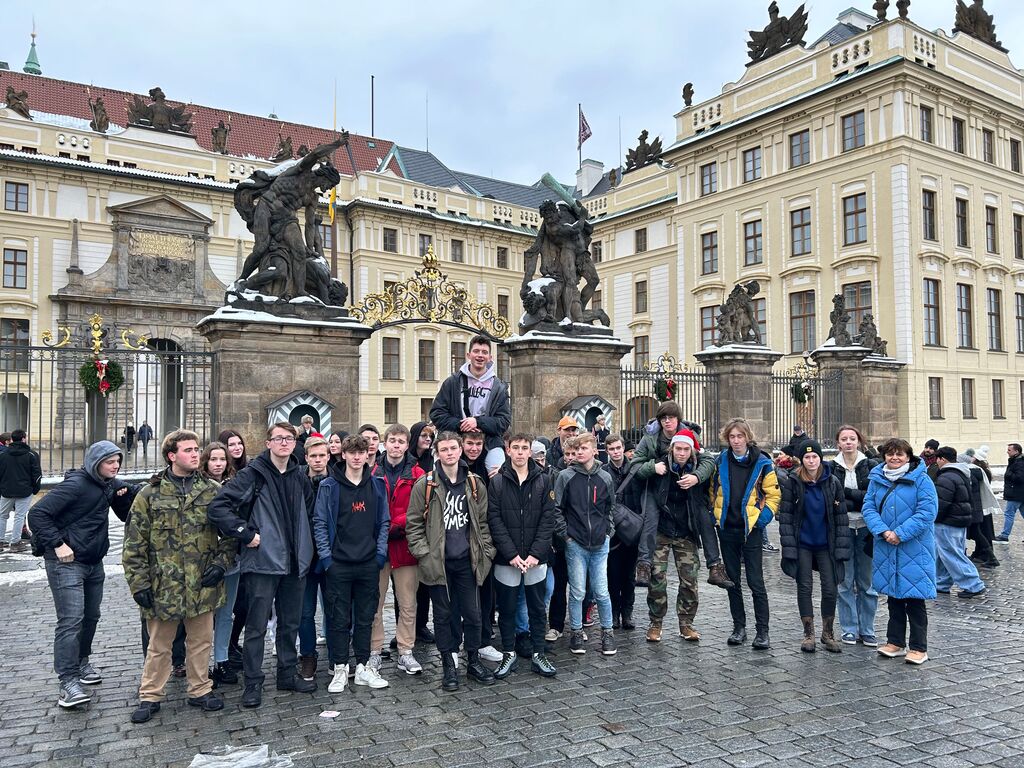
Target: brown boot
{"x": 717, "y": 576}
{"x": 687, "y": 632}
{"x": 827, "y": 638}
{"x": 654, "y": 632}
{"x": 642, "y": 577}
{"x": 807, "y": 646}
{"x": 307, "y": 667}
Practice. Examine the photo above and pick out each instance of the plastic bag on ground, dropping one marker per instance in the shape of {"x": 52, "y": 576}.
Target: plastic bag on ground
{"x": 241, "y": 757}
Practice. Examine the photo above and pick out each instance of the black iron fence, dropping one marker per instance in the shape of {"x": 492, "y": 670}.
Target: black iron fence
{"x": 642, "y": 390}
{"x": 162, "y": 390}
{"x": 820, "y": 414}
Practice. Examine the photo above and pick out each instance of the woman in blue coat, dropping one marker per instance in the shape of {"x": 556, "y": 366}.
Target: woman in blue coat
{"x": 900, "y": 506}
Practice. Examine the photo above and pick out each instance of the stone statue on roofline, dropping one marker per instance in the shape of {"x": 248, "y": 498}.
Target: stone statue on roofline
{"x": 17, "y": 102}
{"x": 159, "y": 115}
{"x": 284, "y": 149}
{"x": 781, "y": 32}
{"x": 287, "y": 265}
{"x": 219, "y": 134}
{"x": 100, "y": 120}
{"x": 975, "y": 21}
{"x": 554, "y": 302}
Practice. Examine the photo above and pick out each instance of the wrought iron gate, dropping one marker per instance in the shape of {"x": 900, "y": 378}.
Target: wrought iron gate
{"x": 821, "y": 414}
{"x": 42, "y": 394}
{"x": 643, "y": 389}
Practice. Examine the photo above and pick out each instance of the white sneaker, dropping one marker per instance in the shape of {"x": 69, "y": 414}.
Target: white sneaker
{"x": 337, "y": 684}
{"x": 408, "y": 663}
{"x": 367, "y": 675}
{"x": 321, "y": 641}
{"x": 374, "y": 662}
{"x": 552, "y": 635}
{"x": 490, "y": 653}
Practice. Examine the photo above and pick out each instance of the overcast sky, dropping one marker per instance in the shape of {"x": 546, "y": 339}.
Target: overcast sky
{"x": 503, "y": 80}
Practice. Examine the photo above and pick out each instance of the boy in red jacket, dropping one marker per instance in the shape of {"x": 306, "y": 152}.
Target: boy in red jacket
{"x": 400, "y": 471}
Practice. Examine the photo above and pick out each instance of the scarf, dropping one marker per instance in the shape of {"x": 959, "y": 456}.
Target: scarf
{"x": 892, "y": 475}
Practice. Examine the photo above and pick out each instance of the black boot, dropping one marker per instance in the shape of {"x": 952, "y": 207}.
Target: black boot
{"x": 738, "y": 636}
{"x": 477, "y": 670}
{"x": 761, "y": 642}
{"x": 449, "y": 673}
{"x": 222, "y": 674}
{"x": 627, "y": 620}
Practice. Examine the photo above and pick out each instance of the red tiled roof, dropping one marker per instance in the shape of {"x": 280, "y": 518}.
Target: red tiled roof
{"x": 250, "y": 135}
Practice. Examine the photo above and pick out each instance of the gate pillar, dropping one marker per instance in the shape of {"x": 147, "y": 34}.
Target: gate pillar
{"x": 744, "y": 374}
{"x": 549, "y": 371}
{"x": 259, "y": 356}
{"x": 870, "y": 389}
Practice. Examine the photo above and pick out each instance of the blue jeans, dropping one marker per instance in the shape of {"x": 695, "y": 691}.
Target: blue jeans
{"x": 1012, "y": 508}
{"x": 223, "y": 618}
{"x": 951, "y": 563}
{"x": 522, "y": 616}
{"x": 858, "y": 600}
{"x": 77, "y": 591}
{"x": 582, "y": 563}
{"x": 316, "y": 584}
{"x": 20, "y": 506}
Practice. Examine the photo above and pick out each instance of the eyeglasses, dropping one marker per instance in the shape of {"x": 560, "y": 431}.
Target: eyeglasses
{"x": 282, "y": 440}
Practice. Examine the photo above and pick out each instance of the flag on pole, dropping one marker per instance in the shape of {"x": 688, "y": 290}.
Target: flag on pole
{"x": 585, "y": 132}
{"x": 333, "y": 196}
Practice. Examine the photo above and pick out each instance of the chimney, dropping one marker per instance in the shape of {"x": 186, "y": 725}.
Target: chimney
{"x": 588, "y": 176}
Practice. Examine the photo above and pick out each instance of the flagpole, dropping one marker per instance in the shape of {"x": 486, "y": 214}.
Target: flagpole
{"x": 579, "y": 144}
{"x": 332, "y": 198}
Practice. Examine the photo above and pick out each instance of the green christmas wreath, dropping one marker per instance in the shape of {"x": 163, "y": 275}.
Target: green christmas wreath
{"x": 802, "y": 391}
{"x": 664, "y": 389}
{"x": 101, "y": 376}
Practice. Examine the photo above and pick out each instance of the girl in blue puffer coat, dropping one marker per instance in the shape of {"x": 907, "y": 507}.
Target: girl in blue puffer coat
{"x": 900, "y": 506}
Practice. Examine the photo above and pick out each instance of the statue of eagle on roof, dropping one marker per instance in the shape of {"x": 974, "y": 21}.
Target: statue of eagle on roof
{"x": 781, "y": 32}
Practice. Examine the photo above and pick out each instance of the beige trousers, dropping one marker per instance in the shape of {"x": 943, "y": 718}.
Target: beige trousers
{"x": 157, "y": 669}
{"x": 407, "y": 580}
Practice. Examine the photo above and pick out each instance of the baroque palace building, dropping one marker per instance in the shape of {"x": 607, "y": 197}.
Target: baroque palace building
{"x": 882, "y": 161}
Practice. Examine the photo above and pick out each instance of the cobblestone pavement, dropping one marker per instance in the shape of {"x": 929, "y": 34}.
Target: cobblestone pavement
{"x": 675, "y": 703}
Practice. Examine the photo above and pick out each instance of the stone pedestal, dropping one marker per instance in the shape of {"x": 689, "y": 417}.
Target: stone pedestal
{"x": 549, "y": 371}
{"x": 744, "y": 386}
{"x": 870, "y": 389}
{"x": 260, "y": 358}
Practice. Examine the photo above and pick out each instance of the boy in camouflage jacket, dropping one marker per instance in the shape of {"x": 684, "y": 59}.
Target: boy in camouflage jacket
{"x": 175, "y": 566}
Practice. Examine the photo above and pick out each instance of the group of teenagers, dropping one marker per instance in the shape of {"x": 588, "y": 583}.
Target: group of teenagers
{"x": 468, "y": 518}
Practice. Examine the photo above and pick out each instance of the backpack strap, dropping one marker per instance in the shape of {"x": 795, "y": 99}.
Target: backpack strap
{"x": 431, "y": 485}
{"x": 472, "y": 484}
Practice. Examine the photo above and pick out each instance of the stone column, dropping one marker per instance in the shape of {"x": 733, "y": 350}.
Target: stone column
{"x": 260, "y": 359}
{"x": 744, "y": 386}
{"x": 549, "y": 371}
{"x": 870, "y": 389}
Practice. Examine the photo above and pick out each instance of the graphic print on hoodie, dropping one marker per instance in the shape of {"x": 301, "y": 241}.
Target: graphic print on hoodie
{"x": 456, "y": 518}
{"x": 477, "y": 393}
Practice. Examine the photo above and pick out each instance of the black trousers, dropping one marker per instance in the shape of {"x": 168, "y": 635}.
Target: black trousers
{"x": 902, "y": 610}
{"x": 177, "y": 647}
{"x": 621, "y": 569}
{"x": 459, "y": 597}
{"x": 487, "y": 607}
{"x": 982, "y": 542}
{"x": 422, "y": 606}
{"x": 559, "y": 599}
{"x": 808, "y": 559}
{"x": 263, "y": 592}
{"x": 240, "y": 612}
{"x": 508, "y": 602}
{"x": 737, "y": 546}
{"x": 353, "y": 590}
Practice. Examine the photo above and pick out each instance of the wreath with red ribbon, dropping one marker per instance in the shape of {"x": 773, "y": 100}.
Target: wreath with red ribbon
{"x": 101, "y": 376}
{"x": 664, "y": 389}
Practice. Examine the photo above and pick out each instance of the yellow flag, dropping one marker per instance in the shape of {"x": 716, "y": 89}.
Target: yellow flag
{"x": 330, "y": 203}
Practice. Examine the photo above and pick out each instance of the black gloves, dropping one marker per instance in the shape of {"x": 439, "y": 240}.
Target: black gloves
{"x": 144, "y": 597}
{"x": 212, "y": 576}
